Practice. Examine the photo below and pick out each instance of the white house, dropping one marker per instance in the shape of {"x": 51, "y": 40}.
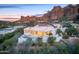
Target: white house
{"x": 41, "y": 31}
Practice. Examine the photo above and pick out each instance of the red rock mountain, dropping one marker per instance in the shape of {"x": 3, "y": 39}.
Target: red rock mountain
{"x": 56, "y": 13}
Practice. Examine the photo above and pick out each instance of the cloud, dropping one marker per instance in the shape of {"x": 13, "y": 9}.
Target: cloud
{"x": 2, "y": 6}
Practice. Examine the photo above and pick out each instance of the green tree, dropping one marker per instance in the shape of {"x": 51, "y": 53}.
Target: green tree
{"x": 76, "y": 48}
{"x": 59, "y": 32}
{"x": 65, "y": 36}
{"x": 63, "y": 19}
{"x": 51, "y": 40}
{"x": 71, "y": 31}
{"x": 67, "y": 24}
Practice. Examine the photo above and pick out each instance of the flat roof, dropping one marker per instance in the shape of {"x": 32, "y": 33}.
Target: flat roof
{"x": 40, "y": 28}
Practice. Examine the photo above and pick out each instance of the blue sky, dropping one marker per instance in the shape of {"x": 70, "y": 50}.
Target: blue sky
{"x": 26, "y": 9}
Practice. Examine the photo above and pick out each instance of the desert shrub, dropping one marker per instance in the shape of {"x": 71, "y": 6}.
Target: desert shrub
{"x": 39, "y": 41}
{"x": 6, "y": 36}
{"x": 65, "y": 36}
